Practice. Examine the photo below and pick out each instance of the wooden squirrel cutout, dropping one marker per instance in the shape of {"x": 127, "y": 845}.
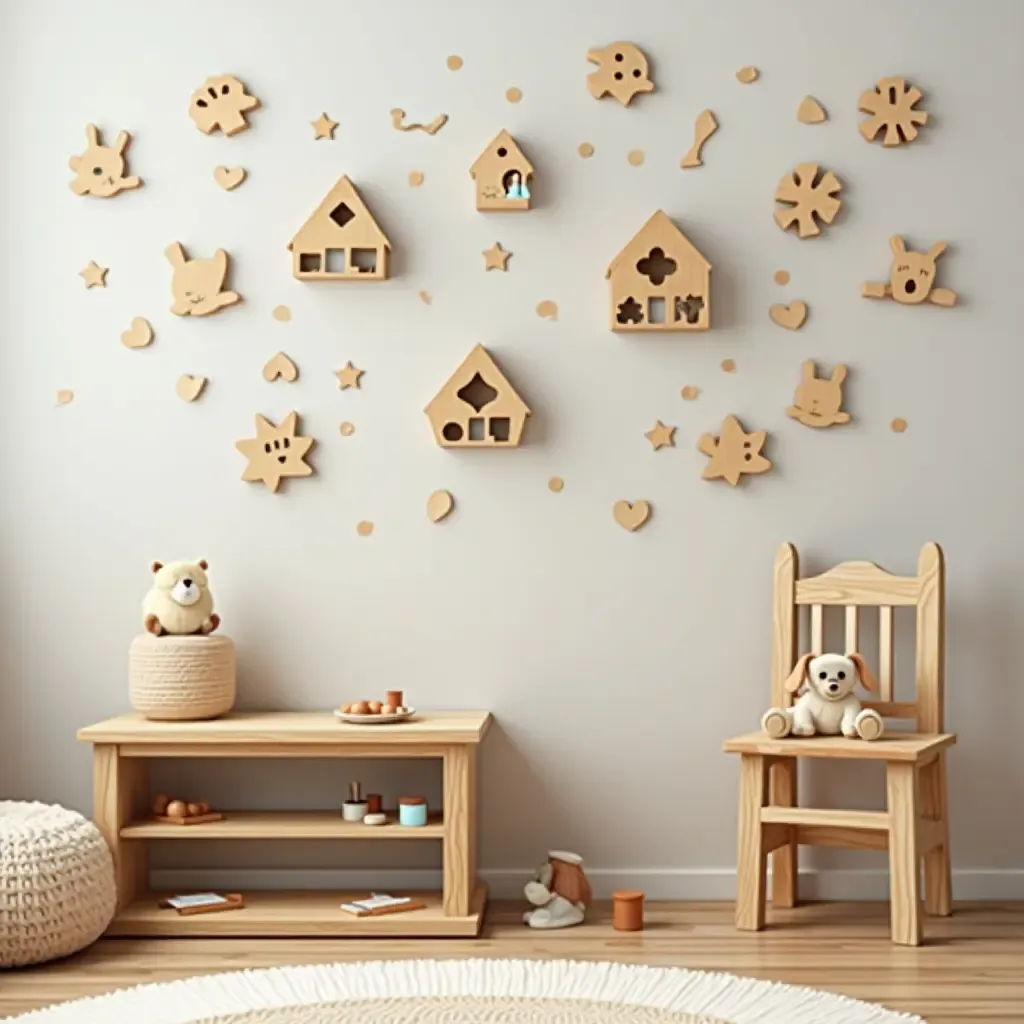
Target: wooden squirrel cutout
{"x": 196, "y": 284}
{"x": 912, "y": 278}
{"x": 99, "y": 171}
{"x": 818, "y": 400}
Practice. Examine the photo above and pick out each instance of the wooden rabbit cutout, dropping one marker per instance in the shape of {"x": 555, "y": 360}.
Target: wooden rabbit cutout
{"x": 99, "y": 171}
{"x": 818, "y": 400}
{"x": 196, "y": 284}
{"x": 912, "y": 277}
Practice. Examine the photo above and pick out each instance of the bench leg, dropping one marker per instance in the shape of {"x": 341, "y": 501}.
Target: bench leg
{"x": 785, "y": 860}
{"x": 121, "y": 793}
{"x": 752, "y": 863}
{"x": 459, "y": 853}
{"x": 904, "y": 862}
{"x": 938, "y": 880}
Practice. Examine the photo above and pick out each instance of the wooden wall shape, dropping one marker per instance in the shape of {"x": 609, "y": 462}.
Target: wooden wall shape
{"x": 277, "y": 451}
{"x": 891, "y": 104}
{"x": 222, "y": 101}
{"x": 733, "y": 453}
{"x": 622, "y": 72}
{"x": 340, "y": 241}
{"x": 912, "y": 277}
{"x": 99, "y": 169}
{"x": 477, "y": 407}
{"x": 494, "y": 173}
{"x": 197, "y": 284}
{"x": 660, "y": 281}
{"x": 818, "y": 401}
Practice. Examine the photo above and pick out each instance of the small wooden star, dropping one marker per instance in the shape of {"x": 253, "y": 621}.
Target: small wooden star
{"x": 734, "y": 452}
{"x": 275, "y": 452}
{"x": 323, "y": 127}
{"x": 94, "y": 275}
{"x": 496, "y": 258}
{"x": 660, "y": 435}
{"x": 348, "y": 376}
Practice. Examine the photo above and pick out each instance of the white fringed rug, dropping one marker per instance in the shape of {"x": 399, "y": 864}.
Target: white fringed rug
{"x": 469, "y": 992}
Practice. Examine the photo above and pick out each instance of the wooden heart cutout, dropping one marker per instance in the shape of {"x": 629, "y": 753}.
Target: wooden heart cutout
{"x": 811, "y": 111}
{"x": 229, "y": 177}
{"x": 189, "y": 388}
{"x": 139, "y": 335}
{"x": 791, "y": 317}
{"x": 280, "y": 366}
{"x": 631, "y": 515}
{"x": 439, "y": 505}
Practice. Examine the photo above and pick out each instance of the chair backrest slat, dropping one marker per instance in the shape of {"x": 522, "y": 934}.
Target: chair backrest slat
{"x": 885, "y": 652}
{"x": 852, "y": 628}
{"x": 817, "y": 629}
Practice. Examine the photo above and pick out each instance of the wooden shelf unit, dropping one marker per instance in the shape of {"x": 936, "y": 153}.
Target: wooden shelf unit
{"x": 123, "y": 747}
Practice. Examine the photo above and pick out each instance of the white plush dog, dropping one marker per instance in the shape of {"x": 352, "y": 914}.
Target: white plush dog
{"x": 828, "y": 706}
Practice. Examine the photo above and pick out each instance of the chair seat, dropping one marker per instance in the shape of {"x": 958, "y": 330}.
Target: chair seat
{"x": 893, "y": 746}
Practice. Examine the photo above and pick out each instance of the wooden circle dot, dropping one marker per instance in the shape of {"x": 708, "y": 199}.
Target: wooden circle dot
{"x": 635, "y": 157}
{"x": 781, "y": 277}
{"x": 364, "y": 528}
{"x": 585, "y": 150}
{"x": 547, "y": 309}
{"x": 513, "y": 95}
{"x": 425, "y": 298}
{"x": 729, "y": 365}
{"x": 454, "y": 62}
{"x": 689, "y": 392}
{"x": 555, "y": 484}
{"x": 347, "y": 429}
{"x": 747, "y": 75}
{"x": 281, "y": 313}
{"x": 898, "y": 425}
{"x": 415, "y": 179}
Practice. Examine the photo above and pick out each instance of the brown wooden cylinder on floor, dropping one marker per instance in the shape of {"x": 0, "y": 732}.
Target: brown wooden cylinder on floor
{"x": 628, "y": 911}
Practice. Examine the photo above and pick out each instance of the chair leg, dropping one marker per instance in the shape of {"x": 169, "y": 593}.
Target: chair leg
{"x": 938, "y": 876}
{"x": 785, "y": 860}
{"x": 904, "y": 862}
{"x": 752, "y": 863}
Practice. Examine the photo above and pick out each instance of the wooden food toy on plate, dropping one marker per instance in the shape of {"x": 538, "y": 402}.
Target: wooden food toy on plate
{"x": 182, "y": 812}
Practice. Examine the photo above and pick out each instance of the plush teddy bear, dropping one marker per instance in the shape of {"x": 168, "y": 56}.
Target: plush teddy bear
{"x": 179, "y": 601}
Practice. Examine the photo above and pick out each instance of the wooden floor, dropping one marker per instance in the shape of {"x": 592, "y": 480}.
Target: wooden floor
{"x": 972, "y": 968}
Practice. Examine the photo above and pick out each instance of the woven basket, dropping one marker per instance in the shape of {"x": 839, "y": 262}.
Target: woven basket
{"x": 182, "y": 678}
{"x": 57, "y": 891}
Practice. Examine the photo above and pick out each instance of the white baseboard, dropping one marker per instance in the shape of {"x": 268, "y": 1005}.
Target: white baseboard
{"x": 657, "y": 883}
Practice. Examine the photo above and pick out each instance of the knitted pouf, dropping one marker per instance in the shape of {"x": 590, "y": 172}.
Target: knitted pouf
{"x": 182, "y": 678}
{"x": 57, "y": 891}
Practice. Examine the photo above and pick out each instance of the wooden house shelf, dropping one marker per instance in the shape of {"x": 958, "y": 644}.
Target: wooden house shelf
{"x": 123, "y": 747}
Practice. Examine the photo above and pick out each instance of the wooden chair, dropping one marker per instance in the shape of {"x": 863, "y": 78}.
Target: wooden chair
{"x": 916, "y": 822}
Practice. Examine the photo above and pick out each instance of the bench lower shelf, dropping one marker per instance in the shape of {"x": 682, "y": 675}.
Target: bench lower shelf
{"x": 299, "y": 914}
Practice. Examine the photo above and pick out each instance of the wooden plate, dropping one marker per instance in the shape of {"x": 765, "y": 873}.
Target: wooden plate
{"x": 374, "y": 719}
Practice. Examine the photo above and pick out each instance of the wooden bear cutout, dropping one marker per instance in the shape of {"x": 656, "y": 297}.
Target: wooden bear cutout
{"x": 99, "y": 171}
{"x": 221, "y": 102}
{"x": 818, "y": 400}
{"x": 196, "y": 284}
{"x": 622, "y": 72}
{"x": 912, "y": 278}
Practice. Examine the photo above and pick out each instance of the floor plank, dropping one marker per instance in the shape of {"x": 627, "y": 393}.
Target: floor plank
{"x": 969, "y": 970}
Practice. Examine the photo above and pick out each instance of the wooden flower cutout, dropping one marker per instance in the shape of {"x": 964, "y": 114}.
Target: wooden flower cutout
{"x": 275, "y": 452}
{"x": 807, "y": 195}
{"x": 734, "y": 452}
{"x": 891, "y": 106}
{"x": 221, "y": 102}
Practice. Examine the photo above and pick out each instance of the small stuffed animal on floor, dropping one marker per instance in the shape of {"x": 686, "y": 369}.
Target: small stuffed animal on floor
{"x": 828, "y": 706}
{"x": 179, "y": 601}
{"x": 560, "y": 893}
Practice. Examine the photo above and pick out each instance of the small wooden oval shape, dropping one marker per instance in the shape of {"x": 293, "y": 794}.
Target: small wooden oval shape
{"x": 439, "y": 505}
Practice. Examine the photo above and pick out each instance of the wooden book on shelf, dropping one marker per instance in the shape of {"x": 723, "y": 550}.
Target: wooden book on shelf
{"x": 379, "y": 904}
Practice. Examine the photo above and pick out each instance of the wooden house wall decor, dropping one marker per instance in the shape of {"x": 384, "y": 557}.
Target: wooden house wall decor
{"x": 341, "y": 241}
{"x": 477, "y": 407}
{"x": 503, "y": 176}
{"x": 660, "y": 281}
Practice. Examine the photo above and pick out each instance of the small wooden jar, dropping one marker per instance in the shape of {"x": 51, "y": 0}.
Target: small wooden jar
{"x": 412, "y": 811}
{"x": 394, "y": 698}
{"x": 628, "y": 911}
{"x": 374, "y": 803}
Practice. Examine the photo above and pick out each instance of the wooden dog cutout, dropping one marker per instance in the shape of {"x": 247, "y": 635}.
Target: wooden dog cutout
{"x": 912, "y": 278}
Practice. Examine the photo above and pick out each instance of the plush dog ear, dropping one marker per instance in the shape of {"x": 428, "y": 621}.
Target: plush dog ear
{"x": 867, "y": 678}
{"x": 155, "y": 566}
{"x": 203, "y": 564}
{"x": 795, "y": 678}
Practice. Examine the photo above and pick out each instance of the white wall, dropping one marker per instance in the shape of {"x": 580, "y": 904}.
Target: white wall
{"x": 615, "y": 663}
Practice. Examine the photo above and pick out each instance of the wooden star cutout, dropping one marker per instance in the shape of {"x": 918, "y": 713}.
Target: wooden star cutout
{"x": 323, "y": 127}
{"x": 660, "y": 435}
{"x": 348, "y": 377}
{"x": 496, "y": 258}
{"x": 734, "y": 452}
{"x": 94, "y": 275}
{"x": 275, "y": 452}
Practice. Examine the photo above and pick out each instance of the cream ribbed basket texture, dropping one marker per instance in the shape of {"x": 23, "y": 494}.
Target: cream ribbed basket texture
{"x": 182, "y": 678}
{"x": 57, "y": 891}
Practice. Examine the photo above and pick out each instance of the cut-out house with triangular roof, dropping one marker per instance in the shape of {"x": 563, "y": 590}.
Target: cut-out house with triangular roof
{"x": 477, "y": 407}
{"x": 503, "y": 176}
{"x": 340, "y": 241}
{"x": 660, "y": 281}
